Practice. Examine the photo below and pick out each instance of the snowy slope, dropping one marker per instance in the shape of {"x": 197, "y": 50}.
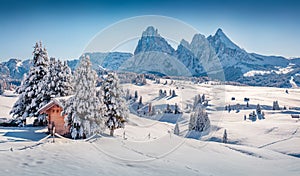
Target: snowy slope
{"x": 263, "y": 147}
{"x": 7, "y": 100}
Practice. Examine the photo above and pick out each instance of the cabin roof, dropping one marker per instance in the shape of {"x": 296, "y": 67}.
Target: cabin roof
{"x": 59, "y": 101}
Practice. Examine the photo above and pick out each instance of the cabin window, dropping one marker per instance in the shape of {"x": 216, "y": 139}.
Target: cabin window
{"x": 57, "y": 111}
{"x": 53, "y": 110}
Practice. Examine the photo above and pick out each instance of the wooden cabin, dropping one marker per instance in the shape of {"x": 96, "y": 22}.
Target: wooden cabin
{"x": 53, "y": 111}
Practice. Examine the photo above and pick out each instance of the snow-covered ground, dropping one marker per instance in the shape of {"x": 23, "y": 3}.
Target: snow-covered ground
{"x": 6, "y": 102}
{"x": 263, "y": 147}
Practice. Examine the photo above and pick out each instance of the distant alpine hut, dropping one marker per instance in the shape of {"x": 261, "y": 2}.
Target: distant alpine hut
{"x": 53, "y": 113}
{"x": 295, "y": 116}
{"x": 246, "y": 99}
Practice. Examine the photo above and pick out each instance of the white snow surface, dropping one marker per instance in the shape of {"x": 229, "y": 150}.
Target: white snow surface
{"x": 6, "y": 102}
{"x": 263, "y": 147}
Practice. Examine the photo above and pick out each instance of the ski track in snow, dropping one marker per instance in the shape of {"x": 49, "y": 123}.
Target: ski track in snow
{"x": 282, "y": 140}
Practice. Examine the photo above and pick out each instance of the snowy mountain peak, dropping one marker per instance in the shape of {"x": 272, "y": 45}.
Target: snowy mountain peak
{"x": 221, "y": 37}
{"x": 150, "y": 31}
{"x": 220, "y": 32}
{"x": 197, "y": 38}
{"x": 200, "y": 44}
{"x": 185, "y": 44}
{"x": 151, "y": 41}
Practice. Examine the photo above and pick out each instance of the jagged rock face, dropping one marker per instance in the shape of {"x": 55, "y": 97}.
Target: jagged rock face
{"x": 205, "y": 53}
{"x": 198, "y": 56}
{"x": 157, "y": 63}
{"x": 152, "y": 41}
{"x": 188, "y": 58}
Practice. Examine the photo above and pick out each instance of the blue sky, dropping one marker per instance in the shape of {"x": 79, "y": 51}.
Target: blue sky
{"x": 269, "y": 27}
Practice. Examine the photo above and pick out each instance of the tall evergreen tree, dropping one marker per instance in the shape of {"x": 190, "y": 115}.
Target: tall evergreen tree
{"x": 160, "y": 93}
{"x": 136, "y": 95}
{"x": 260, "y": 114}
{"x": 199, "y": 120}
{"x": 84, "y": 112}
{"x": 197, "y": 101}
{"x": 58, "y": 79}
{"x": 117, "y": 112}
{"x": 258, "y": 109}
{"x": 225, "y": 140}
{"x": 174, "y": 93}
{"x": 127, "y": 95}
{"x": 176, "y": 111}
{"x": 276, "y": 105}
{"x": 32, "y": 95}
{"x": 176, "y": 129}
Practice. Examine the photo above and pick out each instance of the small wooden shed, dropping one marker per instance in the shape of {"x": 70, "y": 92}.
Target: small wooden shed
{"x": 53, "y": 111}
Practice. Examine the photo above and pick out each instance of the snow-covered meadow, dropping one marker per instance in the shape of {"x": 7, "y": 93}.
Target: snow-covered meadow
{"x": 263, "y": 147}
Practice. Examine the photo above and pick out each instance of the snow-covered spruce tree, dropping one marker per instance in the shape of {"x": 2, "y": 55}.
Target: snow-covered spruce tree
{"x": 149, "y": 108}
{"x": 199, "y": 120}
{"x": 203, "y": 98}
{"x": 160, "y": 93}
{"x": 58, "y": 79}
{"x": 32, "y": 95}
{"x": 140, "y": 80}
{"x": 153, "y": 111}
{"x": 176, "y": 129}
{"x": 117, "y": 111}
{"x": 259, "y": 112}
{"x": 67, "y": 80}
{"x": 136, "y": 95}
{"x": 84, "y": 112}
{"x": 276, "y": 105}
{"x": 168, "y": 109}
{"x": 197, "y": 101}
{"x": 225, "y": 140}
{"x": 258, "y": 109}
{"x": 176, "y": 111}
{"x": 174, "y": 93}
{"x": 157, "y": 81}
{"x": 127, "y": 95}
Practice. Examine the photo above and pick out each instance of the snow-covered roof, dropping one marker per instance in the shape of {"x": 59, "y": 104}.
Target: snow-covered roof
{"x": 60, "y": 101}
